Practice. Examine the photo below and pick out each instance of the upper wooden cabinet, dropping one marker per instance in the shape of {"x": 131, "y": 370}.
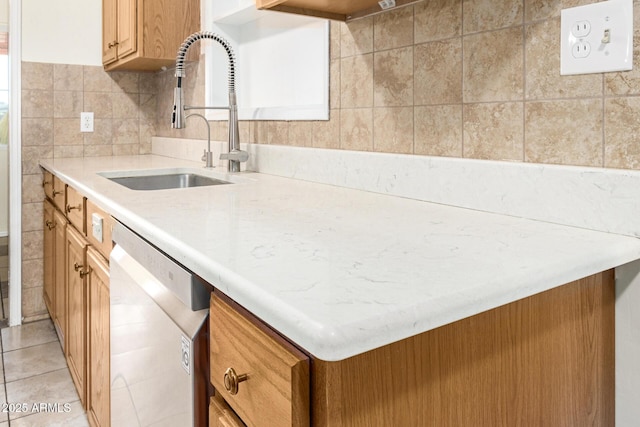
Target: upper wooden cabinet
{"x": 144, "y": 35}
{"x": 339, "y": 10}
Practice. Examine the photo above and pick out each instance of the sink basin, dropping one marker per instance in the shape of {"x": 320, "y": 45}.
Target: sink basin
{"x": 163, "y": 181}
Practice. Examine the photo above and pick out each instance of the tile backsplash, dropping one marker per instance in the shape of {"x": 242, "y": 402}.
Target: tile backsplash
{"x": 461, "y": 78}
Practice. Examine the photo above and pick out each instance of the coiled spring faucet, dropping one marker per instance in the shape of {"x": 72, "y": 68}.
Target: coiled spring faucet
{"x": 235, "y": 155}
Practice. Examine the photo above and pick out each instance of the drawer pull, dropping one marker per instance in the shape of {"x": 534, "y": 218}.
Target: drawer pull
{"x": 70, "y": 208}
{"x": 45, "y": 183}
{"x": 50, "y": 224}
{"x": 233, "y": 380}
{"x": 55, "y": 193}
{"x": 77, "y": 266}
{"x": 84, "y": 273}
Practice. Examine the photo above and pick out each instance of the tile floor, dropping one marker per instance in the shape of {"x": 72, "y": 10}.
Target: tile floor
{"x": 37, "y": 389}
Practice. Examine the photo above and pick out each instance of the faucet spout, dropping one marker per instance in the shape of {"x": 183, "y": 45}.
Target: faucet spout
{"x": 177, "y": 117}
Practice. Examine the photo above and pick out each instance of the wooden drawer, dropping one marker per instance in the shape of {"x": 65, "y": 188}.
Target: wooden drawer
{"x": 276, "y": 391}
{"x": 47, "y": 184}
{"x": 105, "y": 245}
{"x": 221, "y": 415}
{"x": 58, "y": 193}
{"x": 75, "y": 209}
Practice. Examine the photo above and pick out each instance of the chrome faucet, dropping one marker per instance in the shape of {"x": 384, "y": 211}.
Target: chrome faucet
{"x": 235, "y": 155}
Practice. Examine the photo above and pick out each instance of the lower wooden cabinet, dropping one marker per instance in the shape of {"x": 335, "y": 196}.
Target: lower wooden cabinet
{"x": 60, "y": 277}
{"x": 76, "y": 272}
{"x": 98, "y": 396}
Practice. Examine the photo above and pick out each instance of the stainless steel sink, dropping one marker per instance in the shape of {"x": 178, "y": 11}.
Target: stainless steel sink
{"x": 166, "y": 181}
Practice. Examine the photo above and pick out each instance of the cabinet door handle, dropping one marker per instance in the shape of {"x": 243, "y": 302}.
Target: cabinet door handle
{"x": 77, "y": 266}
{"x": 84, "y": 273}
{"x": 50, "y": 224}
{"x": 233, "y": 380}
{"x": 45, "y": 182}
{"x": 112, "y": 44}
{"x": 70, "y": 208}
{"x": 55, "y": 193}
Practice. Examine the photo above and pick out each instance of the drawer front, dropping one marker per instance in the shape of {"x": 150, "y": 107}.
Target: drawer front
{"x": 221, "y": 415}
{"x": 47, "y": 184}
{"x": 75, "y": 209}
{"x": 58, "y": 193}
{"x": 95, "y": 214}
{"x": 276, "y": 390}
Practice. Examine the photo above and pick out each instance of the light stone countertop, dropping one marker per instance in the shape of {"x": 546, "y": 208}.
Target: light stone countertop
{"x": 341, "y": 271}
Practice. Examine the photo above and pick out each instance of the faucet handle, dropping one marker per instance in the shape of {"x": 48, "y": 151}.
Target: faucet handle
{"x": 235, "y": 155}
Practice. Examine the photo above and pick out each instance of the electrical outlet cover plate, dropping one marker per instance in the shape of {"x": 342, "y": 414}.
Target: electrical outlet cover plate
{"x": 582, "y": 32}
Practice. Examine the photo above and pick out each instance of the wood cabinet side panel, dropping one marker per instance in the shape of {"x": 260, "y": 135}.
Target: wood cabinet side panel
{"x": 76, "y": 312}
{"x": 98, "y": 352}
{"x": 544, "y": 360}
{"x": 60, "y": 277}
{"x": 48, "y": 279}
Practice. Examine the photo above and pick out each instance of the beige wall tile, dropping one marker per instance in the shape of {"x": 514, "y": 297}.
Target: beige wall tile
{"x": 393, "y": 77}
{"x": 97, "y": 150}
{"x": 334, "y": 84}
{"x": 393, "y": 29}
{"x": 438, "y": 72}
{"x": 37, "y": 103}
{"x": 33, "y": 302}
{"x": 622, "y": 133}
{"x": 125, "y": 105}
{"x": 32, "y": 191}
{"x": 36, "y": 76}
{"x": 356, "y": 129}
{"x": 543, "y": 79}
{"x": 393, "y": 130}
{"x": 125, "y": 149}
{"x": 438, "y": 130}
{"x": 99, "y": 103}
{"x": 125, "y": 81}
{"x": 102, "y": 133}
{"x": 125, "y": 131}
{"x": 326, "y": 134}
{"x": 65, "y": 151}
{"x": 148, "y": 83}
{"x": 437, "y": 19}
{"x": 487, "y": 15}
{"x": 32, "y": 245}
{"x": 544, "y": 9}
{"x": 301, "y": 133}
{"x": 67, "y": 104}
{"x": 260, "y": 132}
{"x": 37, "y": 132}
{"x": 278, "y": 132}
{"x": 32, "y": 273}
{"x": 553, "y": 135}
{"x": 67, "y": 132}
{"x": 356, "y": 81}
{"x": 493, "y": 66}
{"x": 32, "y": 216}
{"x": 335, "y": 28}
{"x": 67, "y": 77}
{"x": 356, "y": 38}
{"x": 31, "y": 157}
{"x": 494, "y": 131}
{"x": 95, "y": 79}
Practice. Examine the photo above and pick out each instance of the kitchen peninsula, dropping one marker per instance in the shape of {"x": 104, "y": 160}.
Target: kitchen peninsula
{"x": 401, "y": 304}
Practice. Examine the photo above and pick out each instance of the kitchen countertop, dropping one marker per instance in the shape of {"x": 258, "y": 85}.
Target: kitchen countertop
{"x": 341, "y": 271}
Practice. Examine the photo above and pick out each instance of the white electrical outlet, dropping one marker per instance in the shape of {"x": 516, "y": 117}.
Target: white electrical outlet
{"x": 597, "y": 38}
{"x": 86, "y": 122}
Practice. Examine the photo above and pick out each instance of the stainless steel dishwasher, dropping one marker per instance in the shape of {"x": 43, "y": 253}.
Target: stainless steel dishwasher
{"x": 159, "y": 350}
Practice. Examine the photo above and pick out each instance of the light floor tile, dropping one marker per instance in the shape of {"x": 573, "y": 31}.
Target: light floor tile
{"x": 28, "y": 335}
{"x": 4, "y": 416}
{"x": 75, "y": 417}
{"x": 34, "y": 360}
{"x": 49, "y": 388}
{"x": 2, "y": 373}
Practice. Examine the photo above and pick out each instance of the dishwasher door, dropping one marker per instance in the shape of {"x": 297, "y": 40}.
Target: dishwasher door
{"x": 156, "y": 378}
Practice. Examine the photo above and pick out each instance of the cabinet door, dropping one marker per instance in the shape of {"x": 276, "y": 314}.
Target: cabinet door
{"x": 49, "y": 238}
{"x": 76, "y": 249}
{"x": 126, "y": 27}
{"x": 98, "y": 402}
{"x": 109, "y": 36}
{"x": 60, "y": 277}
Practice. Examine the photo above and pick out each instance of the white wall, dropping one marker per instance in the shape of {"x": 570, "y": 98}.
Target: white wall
{"x": 4, "y": 13}
{"x": 62, "y": 31}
